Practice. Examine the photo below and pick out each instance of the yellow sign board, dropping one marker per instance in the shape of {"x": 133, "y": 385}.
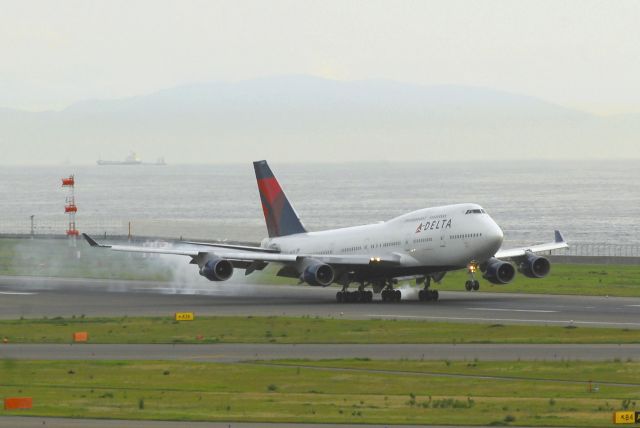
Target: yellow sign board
{"x": 187, "y": 316}
{"x": 624, "y": 417}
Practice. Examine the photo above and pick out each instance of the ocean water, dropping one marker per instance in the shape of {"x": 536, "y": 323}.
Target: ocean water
{"x": 591, "y": 202}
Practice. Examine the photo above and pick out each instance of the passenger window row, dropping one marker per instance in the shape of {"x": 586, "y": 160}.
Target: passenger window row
{"x": 415, "y": 241}
{"x": 465, "y": 236}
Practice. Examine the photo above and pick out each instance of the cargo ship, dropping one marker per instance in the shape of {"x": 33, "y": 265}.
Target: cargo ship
{"x": 132, "y": 159}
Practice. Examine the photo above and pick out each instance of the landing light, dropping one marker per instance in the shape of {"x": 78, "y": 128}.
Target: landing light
{"x": 375, "y": 259}
{"x": 472, "y": 266}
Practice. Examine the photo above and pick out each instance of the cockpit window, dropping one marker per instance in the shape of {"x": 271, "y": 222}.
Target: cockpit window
{"x": 476, "y": 211}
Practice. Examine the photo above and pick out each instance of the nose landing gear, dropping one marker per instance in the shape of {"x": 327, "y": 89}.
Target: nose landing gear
{"x": 472, "y": 284}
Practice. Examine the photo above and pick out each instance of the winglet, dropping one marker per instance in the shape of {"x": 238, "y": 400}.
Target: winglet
{"x": 558, "y": 236}
{"x": 92, "y": 242}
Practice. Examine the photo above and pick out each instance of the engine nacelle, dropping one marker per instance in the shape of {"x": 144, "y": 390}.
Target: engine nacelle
{"x": 217, "y": 269}
{"x": 533, "y": 266}
{"x": 318, "y": 274}
{"x": 499, "y": 272}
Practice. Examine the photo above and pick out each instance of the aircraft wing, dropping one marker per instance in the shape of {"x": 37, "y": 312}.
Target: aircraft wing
{"x": 196, "y": 250}
{"x": 250, "y": 254}
{"x": 232, "y": 246}
{"x": 557, "y": 244}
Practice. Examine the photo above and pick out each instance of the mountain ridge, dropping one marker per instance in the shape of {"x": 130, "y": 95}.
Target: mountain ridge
{"x": 293, "y": 117}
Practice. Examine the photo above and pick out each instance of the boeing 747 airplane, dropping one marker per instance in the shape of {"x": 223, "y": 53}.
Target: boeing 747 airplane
{"x": 422, "y": 245}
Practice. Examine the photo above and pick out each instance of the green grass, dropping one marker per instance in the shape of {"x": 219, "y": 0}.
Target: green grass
{"x": 298, "y": 330}
{"x": 270, "y": 393}
{"x": 617, "y": 371}
{"x": 592, "y": 280}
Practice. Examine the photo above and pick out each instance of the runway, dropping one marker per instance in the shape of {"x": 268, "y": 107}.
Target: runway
{"x": 33, "y": 297}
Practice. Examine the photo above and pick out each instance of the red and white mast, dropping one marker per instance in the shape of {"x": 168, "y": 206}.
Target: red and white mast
{"x": 70, "y": 207}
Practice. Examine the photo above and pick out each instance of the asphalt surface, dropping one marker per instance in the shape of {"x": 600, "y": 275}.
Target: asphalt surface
{"x": 32, "y": 297}
{"x": 243, "y": 352}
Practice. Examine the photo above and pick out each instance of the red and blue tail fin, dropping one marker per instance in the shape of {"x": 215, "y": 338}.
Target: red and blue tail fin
{"x": 281, "y": 218}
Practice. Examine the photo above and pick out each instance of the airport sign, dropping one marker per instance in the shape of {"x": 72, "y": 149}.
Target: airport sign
{"x": 626, "y": 417}
{"x": 184, "y": 316}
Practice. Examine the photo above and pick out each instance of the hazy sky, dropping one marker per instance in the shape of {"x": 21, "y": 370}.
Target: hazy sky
{"x": 583, "y": 54}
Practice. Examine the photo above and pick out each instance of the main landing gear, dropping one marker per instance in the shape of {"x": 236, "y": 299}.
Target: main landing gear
{"x": 386, "y": 290}
{"x": 354, "y": 296}
{"x": 391, "y": 295}
{"x": 359, "y": 296}
{"x": 388, "y": 294}
{"x": 427, "y": 295}
{"x": 472, "y": 284}
{"x": 384, "y": 287}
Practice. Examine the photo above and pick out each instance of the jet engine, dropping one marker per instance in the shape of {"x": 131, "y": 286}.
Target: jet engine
{"x": 318, "y": 274}
{"x": 217, "y": 269}
{"x": 499, "y": 272}
{"x": 533, "y": 266}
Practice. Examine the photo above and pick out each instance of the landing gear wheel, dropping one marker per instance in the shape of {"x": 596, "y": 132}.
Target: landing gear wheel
{"x": 421, "y": 296}
{"x": 468, "y": 285}
{"x": 476, "y": 285}
{"x": 391, "y": 295}
{"x": 340, "y": 297}
{"x": 368, "y": 296}
{"x": 434, "y": 295}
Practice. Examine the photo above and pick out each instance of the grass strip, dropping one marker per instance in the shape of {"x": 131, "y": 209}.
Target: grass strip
{"x": 134, "y": 330}
{"x": 615, "y": 371}
{"x": 260, "y": 392}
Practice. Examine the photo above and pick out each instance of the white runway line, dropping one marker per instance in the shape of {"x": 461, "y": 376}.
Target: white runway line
{"x": 515, "y": 320}
{"x": 542, "y": 311}
{"x": 176, "y": 290}
{"x": 17, "y": 293}
{"x": 634, "y": 306}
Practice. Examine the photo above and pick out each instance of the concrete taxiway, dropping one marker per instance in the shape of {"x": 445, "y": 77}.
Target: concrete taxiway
{"x": 34, "y": 297}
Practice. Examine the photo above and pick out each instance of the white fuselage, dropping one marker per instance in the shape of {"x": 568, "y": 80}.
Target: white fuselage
{"x": 451, "y": 235}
